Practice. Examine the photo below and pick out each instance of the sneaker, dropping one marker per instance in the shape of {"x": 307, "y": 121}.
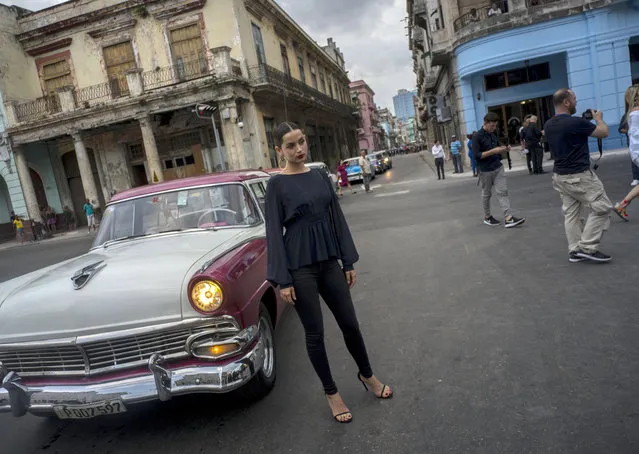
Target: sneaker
{"x": 514, "y": 222}
{"x": 634, "y": 183}
{"x": 574, "y": 258}
{"x": 491, "y": 221}
{"x": 596, "y": 256}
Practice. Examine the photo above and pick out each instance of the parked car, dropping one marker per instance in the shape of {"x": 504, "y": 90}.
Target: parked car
{"x": 324, "y": 168}
{"x": 171, "y": 299}
{"x": 354, "y": 171}
{"x": 384, "y": 159}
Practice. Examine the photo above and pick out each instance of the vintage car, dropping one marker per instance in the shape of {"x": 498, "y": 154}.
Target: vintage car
{"x": 384, "y": 159}
{"x": 354, "y": 171}
{"x": 171, "y": 299}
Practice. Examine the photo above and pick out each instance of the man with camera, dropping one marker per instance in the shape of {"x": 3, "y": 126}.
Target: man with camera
{"x": 576, "y": 183}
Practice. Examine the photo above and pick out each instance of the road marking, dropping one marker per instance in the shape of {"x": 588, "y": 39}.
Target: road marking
{"x": 375, "y": 186}
{"x": 392, "y": 193}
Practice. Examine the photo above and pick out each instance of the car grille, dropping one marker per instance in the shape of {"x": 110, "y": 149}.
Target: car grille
{"x": 106, "y": 355}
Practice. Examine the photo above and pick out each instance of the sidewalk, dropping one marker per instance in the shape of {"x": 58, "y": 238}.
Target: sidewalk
{"x": 57, "y": 237}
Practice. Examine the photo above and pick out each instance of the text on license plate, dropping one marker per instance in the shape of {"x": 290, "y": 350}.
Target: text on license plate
{"x": 89, "y": 410}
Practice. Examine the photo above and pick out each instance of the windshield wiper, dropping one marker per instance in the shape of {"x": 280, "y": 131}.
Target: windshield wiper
{"x": 116, "y": 240}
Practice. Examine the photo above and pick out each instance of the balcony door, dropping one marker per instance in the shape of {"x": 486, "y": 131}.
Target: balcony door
{"x": 259, "y": 44}
{"x": 118, "y": 58}
{"x": 189, "y": 57}
{"x": 56, "y": 75}
{"x": 285, "y": 63}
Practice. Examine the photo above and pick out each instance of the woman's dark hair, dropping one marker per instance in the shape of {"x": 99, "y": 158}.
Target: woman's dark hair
{"x": 469, "y": 137}
{"x": 283, "y": 129}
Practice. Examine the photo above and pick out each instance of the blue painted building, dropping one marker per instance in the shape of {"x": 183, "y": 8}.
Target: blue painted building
{"x": 588, "y": 52}
{"x": 404, "y": 104}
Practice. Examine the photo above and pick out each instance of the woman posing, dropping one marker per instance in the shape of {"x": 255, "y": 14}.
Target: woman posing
{"x": 632, "y": 116}
{"x": 303, "y": 262}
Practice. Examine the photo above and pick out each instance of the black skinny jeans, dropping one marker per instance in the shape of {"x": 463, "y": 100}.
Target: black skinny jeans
{"x": 327, "y": 279}
{"x": 439, "y": 163}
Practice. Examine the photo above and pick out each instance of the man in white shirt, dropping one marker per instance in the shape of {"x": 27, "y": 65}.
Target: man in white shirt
{"x": 494, "y": 11}
{"x": 438, "y": 154}
{"x": 365, "y": 165}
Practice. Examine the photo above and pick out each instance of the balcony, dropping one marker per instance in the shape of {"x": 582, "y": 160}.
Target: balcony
{"x": 480, "y": 14}
{"x": 421, "y": 14}
{"x": 440, "y": 49}
{"x": 265, "y": 77}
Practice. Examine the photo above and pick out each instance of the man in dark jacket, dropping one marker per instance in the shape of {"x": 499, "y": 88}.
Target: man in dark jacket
{"x": 488, "y": 153}
{"x": 532, "y": 137}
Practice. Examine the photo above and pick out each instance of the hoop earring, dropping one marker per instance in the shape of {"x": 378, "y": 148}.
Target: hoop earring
{"x": 282, "y": 162}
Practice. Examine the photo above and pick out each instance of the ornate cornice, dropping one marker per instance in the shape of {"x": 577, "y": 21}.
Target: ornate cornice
{"x": 112, "y": 29}
{"x": 183, "y": 8}
{"x": 35, "y": 51}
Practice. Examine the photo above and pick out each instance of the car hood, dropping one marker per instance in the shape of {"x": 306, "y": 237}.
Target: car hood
{"x": 134, "y": 283}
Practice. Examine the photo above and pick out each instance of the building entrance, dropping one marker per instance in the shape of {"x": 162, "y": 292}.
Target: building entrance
{"x": 511, "y": 116}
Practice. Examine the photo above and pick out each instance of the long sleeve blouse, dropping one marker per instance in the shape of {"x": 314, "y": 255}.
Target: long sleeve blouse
{"x": 304, "y": 225}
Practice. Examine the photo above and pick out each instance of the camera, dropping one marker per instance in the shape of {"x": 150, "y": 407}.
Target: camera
{"x": 588, "y": 115}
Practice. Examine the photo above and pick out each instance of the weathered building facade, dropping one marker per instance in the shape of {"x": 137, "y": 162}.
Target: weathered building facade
{"x": 369, "y": 132}
{"x": 101, "y": 95}
{"x": 469, "y": 61}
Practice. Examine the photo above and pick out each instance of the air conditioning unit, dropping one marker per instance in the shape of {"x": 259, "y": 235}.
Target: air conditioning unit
{"x": 444, "y": 114}
{"x": 434, "y": 102}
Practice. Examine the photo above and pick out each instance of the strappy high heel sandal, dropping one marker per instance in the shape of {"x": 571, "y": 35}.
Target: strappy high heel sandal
{"x": 343, "y": 421}
{"x": 381, "y": 396}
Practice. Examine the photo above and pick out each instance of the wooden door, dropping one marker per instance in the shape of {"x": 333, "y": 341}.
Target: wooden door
{"x": 119, "y": 58}
{"x": 188, "y": 51}
{"x": 56, "y": 75}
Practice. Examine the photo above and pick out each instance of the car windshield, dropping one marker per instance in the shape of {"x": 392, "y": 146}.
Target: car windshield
{"x": 212, "y": 207}
{"x": 352, "y": 162}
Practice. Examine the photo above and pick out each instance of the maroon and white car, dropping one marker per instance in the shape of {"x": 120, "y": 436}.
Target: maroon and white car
{"x": 171, "y": 299}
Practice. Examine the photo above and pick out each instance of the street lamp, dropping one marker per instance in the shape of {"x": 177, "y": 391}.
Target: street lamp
{"x": 200, "y": 110}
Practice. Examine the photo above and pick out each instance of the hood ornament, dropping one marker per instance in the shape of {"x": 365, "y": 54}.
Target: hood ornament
{"x": 82, "y": 277}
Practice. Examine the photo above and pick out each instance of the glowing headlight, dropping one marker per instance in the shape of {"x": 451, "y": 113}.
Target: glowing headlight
{"x": 386, "y": 160}
{"x": 207, "y": 296}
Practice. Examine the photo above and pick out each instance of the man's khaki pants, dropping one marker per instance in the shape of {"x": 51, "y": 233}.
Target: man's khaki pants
{"x": 583, "y": 190}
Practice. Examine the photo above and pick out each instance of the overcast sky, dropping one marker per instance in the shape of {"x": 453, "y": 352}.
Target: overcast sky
{"x": 370, "y": 33}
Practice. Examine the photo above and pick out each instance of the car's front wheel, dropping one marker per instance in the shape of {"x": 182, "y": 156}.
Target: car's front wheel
{"x": 264, "y": 380}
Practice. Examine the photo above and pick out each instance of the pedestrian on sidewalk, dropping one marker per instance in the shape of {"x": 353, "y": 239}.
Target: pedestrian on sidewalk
{"x": 632, "y": 114}
{"x": 488, "y": 154}
{"x": 51, "y": 219}
{"x": 532, "y": 139}
{"x": 455, "y": 151}
{"x": 303, "y": 262}
{"x": 471, "y": 156}
{"x": 88, "y": 210}
{"x": 69, "y": 218}
{"x": 365, "y": 166}
{"x": 19, "y": 226}
{"x": 438, "y": 153}
{"x": 623, "y": 129}
{"x": 524, "y": 149}
{"x": 577, "y": 184}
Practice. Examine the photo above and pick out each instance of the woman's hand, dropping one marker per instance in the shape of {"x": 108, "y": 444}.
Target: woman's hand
{"x": 351, "y": 278}
{"x": 288, "y": 295}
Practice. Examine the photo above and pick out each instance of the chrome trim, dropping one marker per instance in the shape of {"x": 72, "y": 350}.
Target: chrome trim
{"x": 208, "y": 339}
{"x": 87, "y": 273}
{"x": 172, "y": 382}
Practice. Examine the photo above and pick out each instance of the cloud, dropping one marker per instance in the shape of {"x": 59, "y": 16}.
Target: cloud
{"x": 370, "y": 33}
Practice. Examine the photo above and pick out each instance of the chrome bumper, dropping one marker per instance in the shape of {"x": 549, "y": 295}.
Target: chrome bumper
{"x": 163, "y": 383}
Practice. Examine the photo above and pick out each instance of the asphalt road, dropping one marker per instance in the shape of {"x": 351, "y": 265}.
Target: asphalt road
{"x": 492, "y": 340}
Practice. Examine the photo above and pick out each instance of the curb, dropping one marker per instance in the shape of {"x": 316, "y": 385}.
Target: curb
{"x": 60, "y": 237}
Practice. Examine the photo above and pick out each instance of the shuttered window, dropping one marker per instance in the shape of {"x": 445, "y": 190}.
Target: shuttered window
{"x": 118, "y": 59}
{"x": 189, "y": 57}
{"x": 56, "y": 75}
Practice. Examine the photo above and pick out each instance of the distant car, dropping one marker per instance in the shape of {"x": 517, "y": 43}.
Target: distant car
{"x": 385, "y": 160}
{"x": 376, "y": 163}
{"x": 171, "y": 299}
{"x": 354, "y": 171}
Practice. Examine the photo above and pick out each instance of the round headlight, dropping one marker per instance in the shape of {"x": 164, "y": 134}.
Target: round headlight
{"x": 207, "y": 296}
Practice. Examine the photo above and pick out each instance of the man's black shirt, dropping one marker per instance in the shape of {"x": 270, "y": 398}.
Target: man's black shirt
{"x": 531, "y": 135}
{"x": 484, "y": 141}
{"x": 568, "y": 139}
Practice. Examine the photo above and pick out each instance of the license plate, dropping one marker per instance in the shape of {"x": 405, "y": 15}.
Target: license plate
{"x": 353, "y": 177}
{"x": 89, "y": 410}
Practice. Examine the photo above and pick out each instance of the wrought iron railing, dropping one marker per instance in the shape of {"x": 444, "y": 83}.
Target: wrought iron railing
{"x": 480, "y": 14}
{"x": 268, "y": 76}
{"x": 41, "y": 107}
{"x": 236, "y": 67}
{"x": 181, "y": 70}
{"x": 532, "y": 3}
{"x": 116, "y": 87}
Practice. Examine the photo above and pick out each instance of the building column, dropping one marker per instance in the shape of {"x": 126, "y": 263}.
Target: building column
{"x": 151, "y": 150}
{"x": 233, "y": 138}
{"x": 33, "y": 210}
{"x": 86, "y": 172}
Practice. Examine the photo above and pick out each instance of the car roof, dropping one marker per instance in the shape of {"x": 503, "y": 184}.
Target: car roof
{"x": 315, "y": 164}
{"x": 183, "y": 183}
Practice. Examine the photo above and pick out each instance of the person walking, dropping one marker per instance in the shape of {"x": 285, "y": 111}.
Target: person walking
{"x": 532, "y": 138}
{"x": 577, "y": 185}
{"x": 488, "y": 154}
{"x": 632, "y": 115}
{"x": 343, "y": 178}
{"x": 471, "y": 156}
{"x": 365, "y": 166}
{"x": 455, "y": 151}
{"x": 623, "y": 129}
{"x": 524, "y": 149}
{"x": 303, "y": 262}
{"x": 88, "y": 210}
{"x": 19, "y": 226}
{"x": 438, "y": 153}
